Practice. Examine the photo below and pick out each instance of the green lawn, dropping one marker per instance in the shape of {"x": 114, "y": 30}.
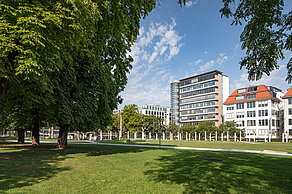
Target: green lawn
{"x": 111, "y": 169}
{"x": 274, "y": 146}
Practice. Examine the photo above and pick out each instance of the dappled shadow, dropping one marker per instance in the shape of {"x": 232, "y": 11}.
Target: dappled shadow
{"x": 201, "y": 172}
{"x": 24, "y": 165}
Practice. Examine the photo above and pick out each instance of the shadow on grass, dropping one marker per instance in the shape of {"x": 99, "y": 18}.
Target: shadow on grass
{"x": 24, "y": 165}
{"x": 213, "y": 172}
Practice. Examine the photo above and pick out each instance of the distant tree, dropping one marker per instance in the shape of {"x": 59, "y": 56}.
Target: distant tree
{"x": 231, "y": 127}
{"x": 208, "y": 126}
{"x": 266, "y": 34}
{"x": 172, "y": 127}
{"x": 131, "y": 118}
{"x": 151, "y": 123}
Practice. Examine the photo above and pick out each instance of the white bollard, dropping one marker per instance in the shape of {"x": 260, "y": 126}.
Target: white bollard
{"x": 150, "y": 135}
{"x": 186, "y": 135}
{"x": 180, "y": 136}
{"x": 128, "y": 134}
{"x": 254, "y": 137}
{"x": 195, "y": 136}
{"x": 156, "y": 136}
{"x": 100, "y": 134}
{"x": 170, "y": 136}
{"x": 110, "y": 135}
{"x": 265, "y": 137}
{"x": 270, "y": 138}
{"x": 143, "y": 135}
{"x": 135, "y": 135}
{"x": 177, "y": 135}
{"x": 216, "y": 136}
{"x": 163, "y": 136}
{"x": 210, "y": 137}
{"x": 240, "y": 136}
{"x": 222, "y": 137}
{"x": 287, "y": 140}
{"x": 283, "y": 137}
{"x": 205, "y": 136}
{"x": 189, "y": 136}
{"x": 199, "y": 136}
{"x": 227, "y": 135}
{"x": 235, "y": 137}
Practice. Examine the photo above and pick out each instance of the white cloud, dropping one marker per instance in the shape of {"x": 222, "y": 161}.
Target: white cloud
{"x": 155, "y": 46}
{"x": 198, "y": 61}
{"x": 276, "y": 79}
{"x": 190, "y": 3}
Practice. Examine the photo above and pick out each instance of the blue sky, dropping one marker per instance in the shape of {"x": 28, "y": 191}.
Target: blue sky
{"x": 176, "y": 42}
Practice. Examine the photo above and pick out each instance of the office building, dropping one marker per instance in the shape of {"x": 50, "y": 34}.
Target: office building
{"x": 199, "y": 98}
{"x": 162, "y": 112}
{"x": 258, "y": 110}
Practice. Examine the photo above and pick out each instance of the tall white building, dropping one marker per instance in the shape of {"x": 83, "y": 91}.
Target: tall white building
{"x": 199, "y": 98}
{"x": 162, "y": 112}
{"x": 258, "y": 110}
{"x": 287, "y": 98}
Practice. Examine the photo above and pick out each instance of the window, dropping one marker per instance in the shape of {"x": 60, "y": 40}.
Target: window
{"x": 273, "y": 122}
{"x": 229, "y": 115}
{"x": 240, "y": 115}
{"x": 251, "y": 113}
{"x": 290, "y": 101}
{"x": 263, "y": 103}
{"x": 251, "y": 123}
{"x": 240, "y": 106}
{"x": 240, "y": 123}
{"x": 252, "y": 89}
{"x": 290, "y": 131}
{"x": 290, "y": 111}
{"x": 263, "y": 113}
{"x": 250, "y": 104}
{"x": 250, "y": 96}
{"x": 263, "y": 122}
{"x": 230, "y": 107}
{"x": 240, "y": 91}
{"x": 239, "y": 97}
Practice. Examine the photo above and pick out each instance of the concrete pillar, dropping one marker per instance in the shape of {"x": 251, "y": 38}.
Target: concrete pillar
{"x": 270, "y": 138}
{"x": 135, "y": 135}
{"x": 240, "y": 136}
{"x": 150, "y": 135}
{"x": 195, "y": 136}
{"x": 163, "y": 136}
{"x": 283, "y": 137}
{"x": 216, "y": 136}
{"x": 227, "y": 135}
{"x": 189, "y": 136}
{"x": 199, "y": 136}
{"x": 205, "y": 136}
{"x": 210, "y": 137}
{"x": 143, "y": 135}
{"x": 186, "y": 135}
{"x": 110, "y": 135}
{"x": 235, "y": 137}
{"x": 254, "y": 136}
{"x": 222, "y": 137}
{"x": 128, "y": 134}
{"x": 287, "y": 134}
{"x": 156, "y": 136}
{"x": 100, "y": 135}
{"x": 180, "y": 136}
{"x": 266, "y": 137}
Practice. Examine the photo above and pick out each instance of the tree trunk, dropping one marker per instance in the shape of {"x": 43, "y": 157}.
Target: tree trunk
{"x": 36, "y": 129}
{"x": 62, "y": 139}
{"x": 20, "y": 134}
{"x": 3, "y": 88}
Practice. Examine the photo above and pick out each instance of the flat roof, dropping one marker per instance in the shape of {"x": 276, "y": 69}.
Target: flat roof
{"x": 214, "y": 71}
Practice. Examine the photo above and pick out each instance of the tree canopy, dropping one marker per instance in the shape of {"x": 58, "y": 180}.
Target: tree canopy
{"x": 266, "y": 34}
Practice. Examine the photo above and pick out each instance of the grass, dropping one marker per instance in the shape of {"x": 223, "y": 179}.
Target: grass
{"x": 274, "y": 146}
{"x": 110, "y": 169}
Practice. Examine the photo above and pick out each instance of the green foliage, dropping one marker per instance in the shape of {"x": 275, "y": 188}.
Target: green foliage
{"x": 267, "y": 33}
{"x": 132, "y": 120}
{"x": 153, "y": 124}
{"x": 172, "y": 128}
{"x": 208, "y": 126}
{"x": 230, "y": 126}
{"x": 188, "y": 128}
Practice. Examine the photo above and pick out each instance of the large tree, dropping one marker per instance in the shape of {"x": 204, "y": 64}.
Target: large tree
{"x": 266, "y": 34}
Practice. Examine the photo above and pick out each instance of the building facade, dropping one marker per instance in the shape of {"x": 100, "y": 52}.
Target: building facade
{"x": 287, "y": 99}
{"x": 162, "y": 112}
{"x": 199, "y": 98}
{"x": 258, "y": 110}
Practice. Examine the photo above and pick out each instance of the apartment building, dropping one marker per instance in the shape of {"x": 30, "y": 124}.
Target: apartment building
{"x": 258, "y": 110}
{"x": 287, "y": 100}
{"x": 199, "y": 98}
{"x": 162, "y": 112}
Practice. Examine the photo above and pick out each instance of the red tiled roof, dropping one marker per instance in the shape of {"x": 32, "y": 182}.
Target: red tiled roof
{"x": 288, "y": 94}
{"x": 261, "y": 93}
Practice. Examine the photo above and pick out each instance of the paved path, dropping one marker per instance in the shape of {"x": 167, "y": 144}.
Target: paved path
{"x": 180, "y": 148}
